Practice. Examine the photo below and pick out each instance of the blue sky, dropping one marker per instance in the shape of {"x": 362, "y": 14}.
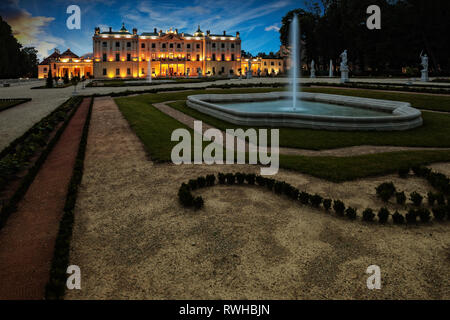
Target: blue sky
{"x": 43, "y": 23}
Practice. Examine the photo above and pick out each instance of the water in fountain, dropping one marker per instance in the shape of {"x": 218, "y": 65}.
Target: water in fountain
{"x": 295, "y": 54}
{"x": 149, "y": 71}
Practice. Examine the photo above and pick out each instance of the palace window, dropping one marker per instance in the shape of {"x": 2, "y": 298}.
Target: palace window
{"x": 117, "y": 57}
{"x": 104, "y": 71}
{"x": 143, "y": 45}
{"x": 143, "y": 71}
{"x": 117, "y": 72}
{"x": 232, "y": 46}
{"x": 128, "y": 57}
{"x": 198, "y": 46}
{"x": 188, "y": 46}
{"x": 198, "y": 57}
{"x": 164, "y": 45}
{"x": 154, "y": 45}
{"x": 213, "y": 57}
{"x": 45, "y": 69}
{"x": 128, "y": 44}
{"x": 213, "y": 45}
{"x": 232, "y": 57}
{"x": 128, "y": 71}
{"x": 117, "y": 44}
{"x": 272, "y": 63}
{"x": 223, "y": 45}
{"x": 179, "y": 46}
{"x": 104, "y": 44}
{"x": 223, "y": 69}
{"x": 223, "y": 57}
{"x": 104, "y": 57}
{"x": 171, "y": 45}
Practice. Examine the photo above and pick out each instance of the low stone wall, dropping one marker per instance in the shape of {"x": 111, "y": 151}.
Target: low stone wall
{"x": 399, "y": 115}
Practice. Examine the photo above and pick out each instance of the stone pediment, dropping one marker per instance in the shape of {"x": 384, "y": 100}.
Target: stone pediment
{"x": 171, "y": 36}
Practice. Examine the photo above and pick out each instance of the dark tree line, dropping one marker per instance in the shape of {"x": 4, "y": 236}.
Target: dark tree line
{"x": 407, "y": 27}
{"x": 15, "y": 61}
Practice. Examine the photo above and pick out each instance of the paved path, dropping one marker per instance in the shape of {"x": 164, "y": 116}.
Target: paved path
{"x": 28, "y": 238}
{"x": 340, "y": 152}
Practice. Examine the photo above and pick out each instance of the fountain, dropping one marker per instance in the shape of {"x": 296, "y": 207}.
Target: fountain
{"x": 295, "y": 50}
{"x": 149, "y": 71}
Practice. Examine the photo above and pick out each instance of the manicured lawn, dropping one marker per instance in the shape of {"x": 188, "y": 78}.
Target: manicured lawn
{"x": 154, "y": 128}
{"x": 434, "y": 133}
{"x": 420, "y": 101}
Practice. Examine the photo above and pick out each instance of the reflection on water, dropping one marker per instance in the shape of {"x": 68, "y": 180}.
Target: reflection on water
{"x": 306, "y": 107}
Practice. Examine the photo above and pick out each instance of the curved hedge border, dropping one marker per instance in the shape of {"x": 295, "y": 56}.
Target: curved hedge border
{"x": 27, "y": 146}
{"x": 437, "y": 180}
{"x": 16, "y": 101}
{"x": 56, "y": 285}
{"x": 385, "y": 86}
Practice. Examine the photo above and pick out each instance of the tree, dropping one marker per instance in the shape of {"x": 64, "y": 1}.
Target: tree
{"x": 66, "y": 78}
{"x": 49, "y": 81}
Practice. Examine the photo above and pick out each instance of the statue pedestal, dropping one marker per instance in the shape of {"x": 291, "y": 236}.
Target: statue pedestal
{"x": 424, "y": 77}
{"x": 313, "y": 74}
{"x": 344, "y": 76}
{"x": 249, "y": 74}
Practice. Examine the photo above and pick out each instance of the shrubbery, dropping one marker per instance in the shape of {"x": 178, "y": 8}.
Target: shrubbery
{"x": 327, "y": 204}
{"x": 368, "y": 215}
{"x": 398, "y": 218}
{"x": 383, "y": 215}
{"x": 316, "y": 200}
{"x": 339, "y": 207}
{"x": 400, "y": 197}
{"x": 385, "y": 191}
{"x": 350, "y": 213}
{"x": 416, "y": 198}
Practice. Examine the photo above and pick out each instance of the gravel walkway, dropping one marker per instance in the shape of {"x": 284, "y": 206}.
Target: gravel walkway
{"x": 340, "y": 152}
{"x": 28, "y": 238}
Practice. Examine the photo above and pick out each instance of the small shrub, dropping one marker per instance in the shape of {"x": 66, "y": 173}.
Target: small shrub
{"x": 424, "y": 215}
{"x": 368, "y": 215}
{"x": 327, "y": 204}
{"x": 316, "y": 200}
{"x": 398, "y": 218}
{"x": 421, "y": 171}
{"x": 403, "y": 172}
{"x": 385, "y": 191}
{"x": 198, "y": 203}
{"x": 440, "y": 199}
{"x": 431, "y": 198}
{"x": 185, "y": 195}
{"x": 221, "y": 177}
{"x": 278, "y": 187}
{"x": 416, "y": 198}
{"x": 210, "y": 179}
{"x": 193, "y": 184}
{"x": 400, "y": 197}
{"x": 201, "y": 182}
{"x": 269, "y": 183}
{"x": 304, "y": 197}
{"x": 339, "y": 207}
{"x": 250, "y": 178}
{"x": 439, "y": 213}
{"x": 350, "y": 213}
{"x": 240, "y": 177}
{"x": 411, "y": 216}
{"x": 261, "y": 181}
{"x": 383, "y": 215}
{"x": 230, "y": 178}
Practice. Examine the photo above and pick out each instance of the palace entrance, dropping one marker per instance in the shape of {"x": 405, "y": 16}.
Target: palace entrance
{"x": 172, "y": 70}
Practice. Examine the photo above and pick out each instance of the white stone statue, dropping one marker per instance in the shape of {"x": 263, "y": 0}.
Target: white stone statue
{"x": 313, "y": 69}
{"x": 331, "y": 69}
{"x": 199, "y": 71}
{"x": 344, "y": 67}
{"x": 424, "y": 64}
{"x": 259, "y": 72}
{"x": 249, "y": 69}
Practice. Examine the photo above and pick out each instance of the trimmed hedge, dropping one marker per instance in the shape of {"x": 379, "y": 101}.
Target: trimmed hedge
{"x": 55, "y": 288}
{"x": 283, "y": 188}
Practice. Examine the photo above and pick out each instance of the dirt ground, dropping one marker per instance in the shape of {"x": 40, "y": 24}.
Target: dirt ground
{"x": 132, "y": 239}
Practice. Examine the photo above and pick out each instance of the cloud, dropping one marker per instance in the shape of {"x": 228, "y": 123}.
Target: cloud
{"x": 29, "y": 30}
{"x": 272, "y": 27}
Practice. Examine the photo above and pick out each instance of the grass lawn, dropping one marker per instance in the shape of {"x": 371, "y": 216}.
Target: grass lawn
{"x": 420, "y": 101}
{"x": 434, "y": 133}
{"x": 154, "y": 128}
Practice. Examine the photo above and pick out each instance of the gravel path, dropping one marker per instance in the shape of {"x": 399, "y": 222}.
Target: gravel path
{"x": 28, "y": 238}
{"x": 133, "y": 240}
{"x": 340, "y": 152}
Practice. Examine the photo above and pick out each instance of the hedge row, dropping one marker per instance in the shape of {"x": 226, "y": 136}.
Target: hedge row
{"x": 16, "y": 102}
{"x": 57, "y": 283}
{"x": 23, "y": 148}
{"x": 316, "y": 201}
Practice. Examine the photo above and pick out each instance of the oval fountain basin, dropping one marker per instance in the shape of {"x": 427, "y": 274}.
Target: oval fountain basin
{"x": 314, "y": 110}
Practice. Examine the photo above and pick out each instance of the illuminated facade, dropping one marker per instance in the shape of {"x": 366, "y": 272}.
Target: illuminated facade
{"x": 67, "y": 62}
{"x": 263, "y": 66}
{"x": 121, "y": 54}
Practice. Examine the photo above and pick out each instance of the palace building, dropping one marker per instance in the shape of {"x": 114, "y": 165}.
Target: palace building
{"x": 121, "y": 54}
{"x": 128, "y": 55}
{"x": 64, "y": 63}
